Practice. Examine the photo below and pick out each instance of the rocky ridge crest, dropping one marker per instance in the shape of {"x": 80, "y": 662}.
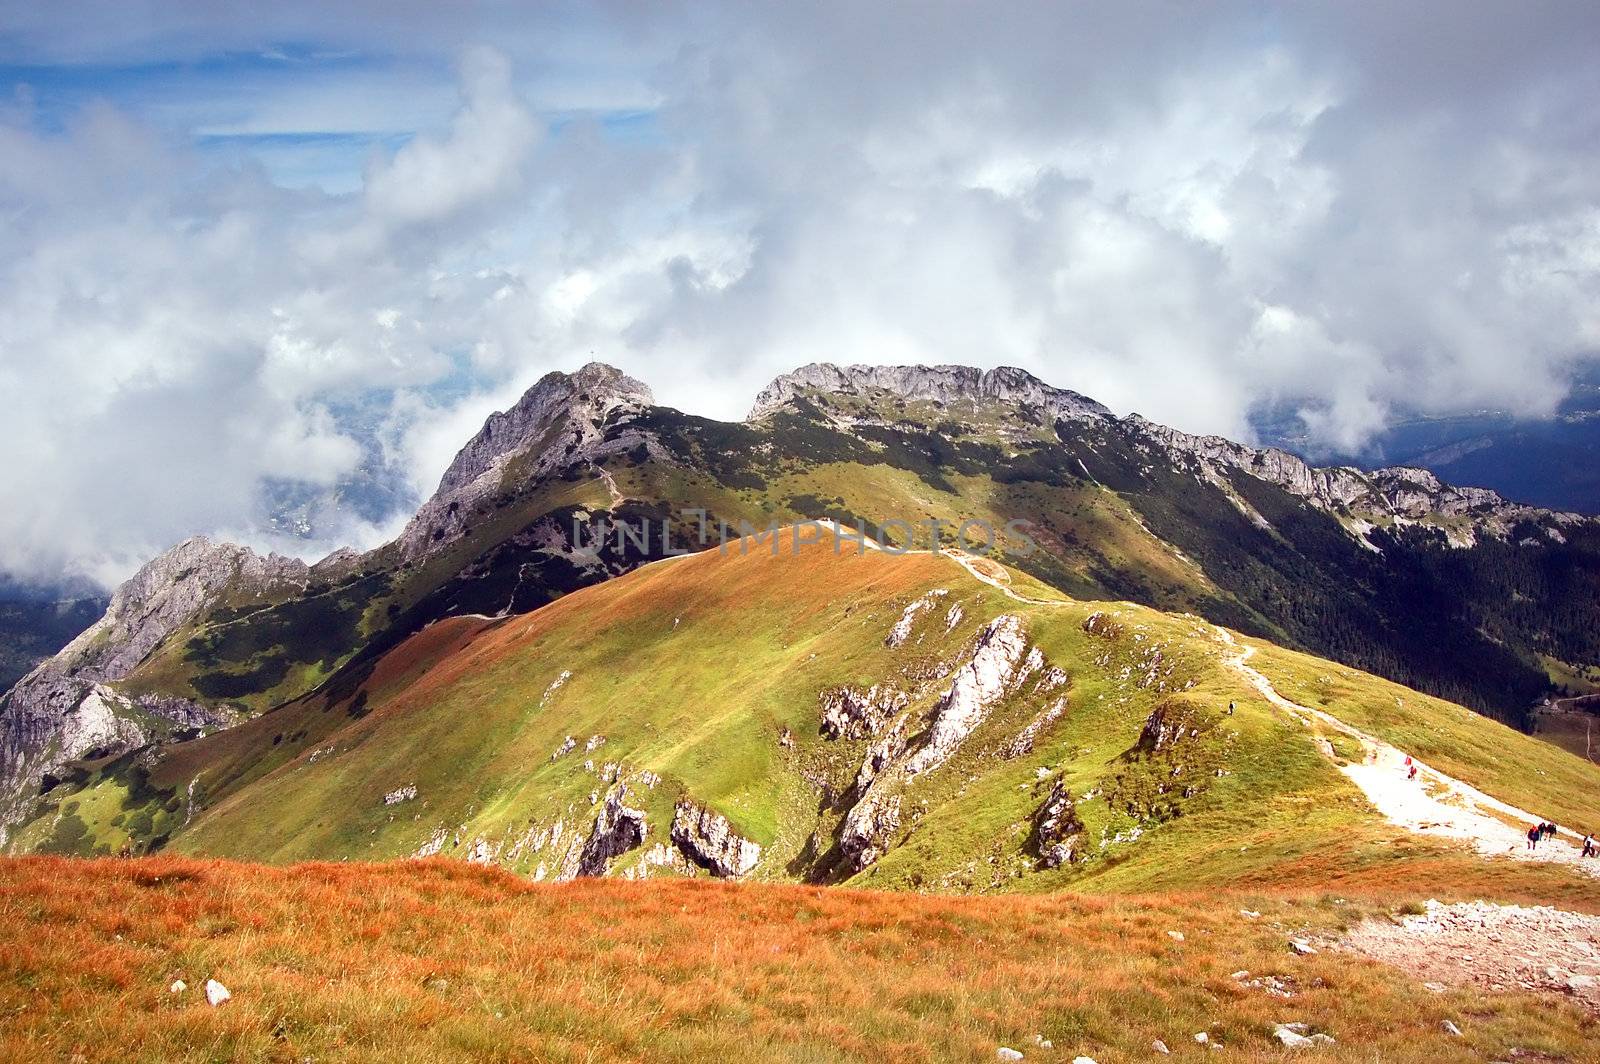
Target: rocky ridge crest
{"x": 1396, "y": 495}
{"x": 949, "y": 385}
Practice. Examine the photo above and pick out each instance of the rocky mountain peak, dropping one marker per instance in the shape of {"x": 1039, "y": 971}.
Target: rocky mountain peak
{"x": 947, "y": 385}
{"x": 165, "y": 594}
{"x": 585, "y": 396}
{"x": 569, "y": 409}
{"x": 64, "y": 709}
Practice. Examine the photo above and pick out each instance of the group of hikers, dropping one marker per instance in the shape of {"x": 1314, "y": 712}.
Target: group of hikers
{"x": 1539, "y": 832}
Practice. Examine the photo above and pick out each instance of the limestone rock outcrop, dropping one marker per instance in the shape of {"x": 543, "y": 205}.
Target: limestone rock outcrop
{"x": 618, "y": 828}
{"x": 1055, "y": 826}
{"x": 708, "y": 840}
{"x": 947, "y": 385}
{"x": 1001, "y": 659}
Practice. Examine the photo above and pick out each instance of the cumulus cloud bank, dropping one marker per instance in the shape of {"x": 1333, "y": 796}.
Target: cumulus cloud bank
{"x": 1186, "y": 213}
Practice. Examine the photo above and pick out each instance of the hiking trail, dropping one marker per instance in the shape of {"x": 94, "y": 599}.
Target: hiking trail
{"x": 1432, "y": 804}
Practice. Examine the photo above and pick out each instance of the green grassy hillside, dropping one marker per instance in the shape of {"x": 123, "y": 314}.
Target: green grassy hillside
{"x": 703, "y": 682}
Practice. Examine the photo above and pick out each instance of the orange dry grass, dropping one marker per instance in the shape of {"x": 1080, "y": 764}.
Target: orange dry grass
{"x": 439, "y": 960}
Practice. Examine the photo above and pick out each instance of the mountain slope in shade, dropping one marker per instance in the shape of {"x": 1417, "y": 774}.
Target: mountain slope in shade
{"x": 921, "y": 721}
{"x": 33, "y": 629}
{"x": 1452, "y": 590}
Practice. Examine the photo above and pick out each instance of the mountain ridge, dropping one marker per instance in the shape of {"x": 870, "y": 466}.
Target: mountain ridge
{"x": 1125, "y": 508}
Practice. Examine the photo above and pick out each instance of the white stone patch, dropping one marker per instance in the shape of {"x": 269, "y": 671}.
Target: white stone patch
{"x": 434, "y": 845}
{"x": 400, "y": 794}
{"x": 902, "y": 628}
{"x": 555, "y": 685}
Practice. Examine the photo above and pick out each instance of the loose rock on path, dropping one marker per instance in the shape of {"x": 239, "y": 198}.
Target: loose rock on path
{"x": 1492, "y": 947}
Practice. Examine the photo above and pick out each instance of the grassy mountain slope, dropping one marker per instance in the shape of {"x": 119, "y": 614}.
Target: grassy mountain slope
{"x": 703, "y": 680}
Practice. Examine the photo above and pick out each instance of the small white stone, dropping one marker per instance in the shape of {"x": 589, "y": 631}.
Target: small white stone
{"x": 178, "y": 986}
{"x": 1042, "y": 1042}
{"x": 1302, "y": 947}
{"x": 1291, "y": 1040}
{"x": 1202, "y": 1037}
{"x": 216, "y": 993}
{"x": 1007, "y": 1053}
{"x": 1083, "y": 1060}
{"x": 1451, "y": 1029}
{"x": 1176, "y": 936}
{"x": 1160, "y": 1047}
{"x": 1249, "y": 914}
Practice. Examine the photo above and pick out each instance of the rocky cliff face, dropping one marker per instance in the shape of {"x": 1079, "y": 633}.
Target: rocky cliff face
{"x": 708, "y": 840}
{"x": 563, "y": 420}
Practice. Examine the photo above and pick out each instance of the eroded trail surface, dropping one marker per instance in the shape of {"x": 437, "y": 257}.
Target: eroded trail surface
{"x": 1433, "y": 803}
{"x": 1493, "y": 947}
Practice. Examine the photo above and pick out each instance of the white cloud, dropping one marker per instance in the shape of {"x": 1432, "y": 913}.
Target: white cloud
{"x": 480, "y": 162}
{"x": 171, "y": 335}
{"x": 1179, "y": 210}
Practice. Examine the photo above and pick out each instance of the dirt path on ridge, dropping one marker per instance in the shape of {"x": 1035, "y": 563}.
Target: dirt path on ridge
{"x": 1432, "y": 804}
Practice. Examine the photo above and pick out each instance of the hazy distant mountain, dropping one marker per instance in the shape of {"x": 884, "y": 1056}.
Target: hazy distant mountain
{"x": 1552, "y": 462}
{"x": 37, "y": 620}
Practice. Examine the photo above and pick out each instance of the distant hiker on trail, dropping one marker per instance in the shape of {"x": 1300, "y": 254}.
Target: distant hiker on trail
{"x": 1230, "y": 709}
{"x": 1412, "y": 774}
{"x": 1588, "y": 846}
{"x": 1549, "y": 831}
{"x": 1535, "y": 833}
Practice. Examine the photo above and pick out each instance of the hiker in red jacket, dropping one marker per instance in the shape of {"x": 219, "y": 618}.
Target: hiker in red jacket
{"x": 1534, "y": 833}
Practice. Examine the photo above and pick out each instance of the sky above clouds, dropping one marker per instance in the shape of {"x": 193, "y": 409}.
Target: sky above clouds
{"x": 244, "y": 246}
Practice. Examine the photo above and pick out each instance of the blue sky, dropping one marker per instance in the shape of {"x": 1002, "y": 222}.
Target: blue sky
{"x": 312, "y": 114}
{"x": 245, "y": 245}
